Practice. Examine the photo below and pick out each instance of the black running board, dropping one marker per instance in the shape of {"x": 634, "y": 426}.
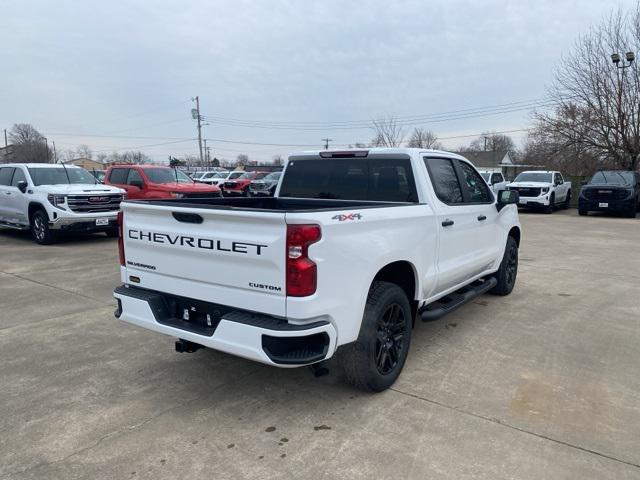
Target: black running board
{"x": 450, "y": 302}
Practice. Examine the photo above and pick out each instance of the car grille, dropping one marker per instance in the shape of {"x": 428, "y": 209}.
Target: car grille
{"x": 230, "y": 184}
{"x": 604, "y": 193}
{"x": 94, "y": 203}
{"x": 527, "y": 191}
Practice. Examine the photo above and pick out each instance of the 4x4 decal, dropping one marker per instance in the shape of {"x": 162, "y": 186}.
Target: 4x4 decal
{"x": 347, "y": 216}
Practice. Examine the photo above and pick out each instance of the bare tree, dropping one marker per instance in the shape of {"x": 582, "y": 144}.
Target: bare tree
{"x": 387, "y": 133}
{"x": 491, "y": 142}
{"x": 84, "y": 151}
{"x": 598, "y": 105}
{"x": 421, "y": 138}
{"x": 130, "y": 157}
{"x": 242, "y": 159}
{"x": 29, "y": 145}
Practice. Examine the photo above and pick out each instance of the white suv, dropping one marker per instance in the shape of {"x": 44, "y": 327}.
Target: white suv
{"x": 49, "y": 199}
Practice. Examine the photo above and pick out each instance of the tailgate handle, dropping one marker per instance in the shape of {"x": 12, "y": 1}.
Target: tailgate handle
{"x": 187, "y": 217}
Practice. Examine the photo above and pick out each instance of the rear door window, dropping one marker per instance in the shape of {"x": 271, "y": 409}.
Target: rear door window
{"x": 119, "y": 176}
{"x": 5, "y": 175}
{"x": 386, "y": 180}
{"x": 444, "y": 180}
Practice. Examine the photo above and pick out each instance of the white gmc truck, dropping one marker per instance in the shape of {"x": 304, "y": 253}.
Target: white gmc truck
{"x": 353, "y": 247}
{"x": 542, "y": 189}
{"x": 52, "y": 199}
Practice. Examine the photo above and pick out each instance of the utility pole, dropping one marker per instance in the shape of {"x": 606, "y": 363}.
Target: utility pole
{"x": 46, "y": 146}
{"x": 5, "y": 138}
{"x": 485, "y": 143}
{"x": 199, "y": 118}
{"x": 55, "y": 154}
{"x": 326, "y": 142}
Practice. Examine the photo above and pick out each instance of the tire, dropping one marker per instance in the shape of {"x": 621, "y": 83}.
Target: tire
{"x": 508, "y": 271}
{"x": 582, "y": 213}
{"x": 374, "y": 361}
{"x": 567, "y": 201}
{"x": 552, "y": 202}
{"x": 112, "y": 233}
{"x": 40, "y": 230}
{"x": 246, "y": 192}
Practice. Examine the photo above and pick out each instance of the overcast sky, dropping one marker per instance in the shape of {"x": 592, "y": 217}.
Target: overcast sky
{"x": 126, "y": 71}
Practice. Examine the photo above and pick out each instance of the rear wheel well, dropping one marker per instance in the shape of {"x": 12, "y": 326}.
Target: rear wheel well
{"x": 402, "y": 274}
{"x": 515, "y": 233}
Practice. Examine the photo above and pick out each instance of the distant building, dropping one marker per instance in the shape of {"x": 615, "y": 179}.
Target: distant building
{"x": 498, "y": 161}
{"x": 86, "y": 163}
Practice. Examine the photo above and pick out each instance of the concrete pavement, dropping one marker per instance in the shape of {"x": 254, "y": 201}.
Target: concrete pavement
{"x": 540, "y": 384}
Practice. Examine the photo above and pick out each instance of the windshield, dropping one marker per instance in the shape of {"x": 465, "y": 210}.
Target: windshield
{"x": 166, "y": 175}
{"x": 615, "y": 178}
{"x": 58, "y": 176}
{"x": 486, "y": 176}
{"x": 534, "y": 177}
{"x": 273, "y": 176}
{"x": 253, "y": 175}
{"x": 233, "y": 175}
{"x": 197, "y": 175}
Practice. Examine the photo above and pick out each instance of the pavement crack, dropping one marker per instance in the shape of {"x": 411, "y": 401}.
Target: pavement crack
{"x": 497, "y": 421}
{"x": 26, "y": 279}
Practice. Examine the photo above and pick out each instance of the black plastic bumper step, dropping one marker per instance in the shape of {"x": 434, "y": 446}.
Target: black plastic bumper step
{"x": 449, "y": 303}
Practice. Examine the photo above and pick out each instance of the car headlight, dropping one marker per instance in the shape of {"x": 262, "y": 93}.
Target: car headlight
{"x": 545, "y": 190}
{"x": 177, "y": 195}
{"x": 57, "y": 200}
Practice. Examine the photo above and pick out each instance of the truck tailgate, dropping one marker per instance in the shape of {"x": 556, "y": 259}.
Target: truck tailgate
{"x": 230, "y": 257}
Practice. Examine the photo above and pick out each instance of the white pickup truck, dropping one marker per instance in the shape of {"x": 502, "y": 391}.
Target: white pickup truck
{"x": 51, "y": 199}
{"x": 542, "y": 189}
{"x": 353, "y": 247}
{"x": 495, "y": 180}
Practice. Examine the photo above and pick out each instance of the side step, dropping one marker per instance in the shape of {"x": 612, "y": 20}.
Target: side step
{"x": 449, "y": 303}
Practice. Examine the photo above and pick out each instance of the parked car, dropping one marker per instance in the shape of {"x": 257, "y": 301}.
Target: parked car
{"x": 196, "y": 175}
{"x": 51, "y": 199}
{"x": 157, "y": 182}
{"x": 265, "y": 187}
{"x": 352, "y": 248}
{"x": 611, "y": 191}
{"x": 495, "y": 180}
{"x": 542, "y": 189}
{"x": 239, "y": 186}
{"x": 213, "y": 178}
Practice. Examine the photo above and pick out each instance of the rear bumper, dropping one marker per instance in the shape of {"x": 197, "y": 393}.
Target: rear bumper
{"x": 257, "y": 337}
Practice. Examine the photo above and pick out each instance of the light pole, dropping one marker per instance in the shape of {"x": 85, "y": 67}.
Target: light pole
{"x": 621, "y": 66}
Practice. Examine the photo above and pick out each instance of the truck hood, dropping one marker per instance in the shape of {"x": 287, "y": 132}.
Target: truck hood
{"x": 607, "y": 186}
{"x": 79, "y": 189}
{"x": 530, "y": 184}
{"x": 185, "y": 187}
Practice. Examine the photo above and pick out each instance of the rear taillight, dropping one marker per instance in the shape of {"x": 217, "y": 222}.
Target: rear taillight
{"x": 120, "y": 238}
{"x": 302, "y": 273}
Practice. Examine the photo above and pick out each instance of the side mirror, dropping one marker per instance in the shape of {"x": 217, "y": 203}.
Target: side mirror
{"x": 22, "y": 186}
{"x": 137, "y": 183}
{"x": 507, "y": 197}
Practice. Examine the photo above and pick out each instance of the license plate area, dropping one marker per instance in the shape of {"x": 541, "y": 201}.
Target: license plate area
{"x": 603, "y": 205}
{"x": 102, "y": 222}
{"x": 192, "y": 315}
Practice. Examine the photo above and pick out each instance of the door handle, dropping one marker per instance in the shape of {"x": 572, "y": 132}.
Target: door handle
{"x": 481, "y": 218}
{"x": 447, "y": 223}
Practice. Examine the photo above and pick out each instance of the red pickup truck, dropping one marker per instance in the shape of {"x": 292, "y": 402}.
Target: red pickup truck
{"x": 144, "y": 182}
{"x": 240, "y": 185}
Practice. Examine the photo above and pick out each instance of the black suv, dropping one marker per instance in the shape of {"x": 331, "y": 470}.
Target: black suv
{"x": 611, "y": 191}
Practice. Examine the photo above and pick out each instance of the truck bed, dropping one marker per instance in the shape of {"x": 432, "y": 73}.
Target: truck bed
{"x": 270, "y": 204}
